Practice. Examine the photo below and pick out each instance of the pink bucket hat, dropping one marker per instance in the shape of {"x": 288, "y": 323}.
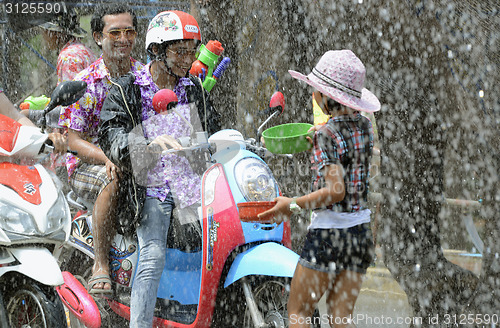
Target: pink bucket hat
{"x": 340, "y": 75}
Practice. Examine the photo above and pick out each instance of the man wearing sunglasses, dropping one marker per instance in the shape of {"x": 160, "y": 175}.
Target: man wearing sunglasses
{"x": 92, "y": 175}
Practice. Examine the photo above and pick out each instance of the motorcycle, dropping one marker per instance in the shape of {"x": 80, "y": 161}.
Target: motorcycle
{"x": 34, "y": 223}
{"x": 226, "y": 268}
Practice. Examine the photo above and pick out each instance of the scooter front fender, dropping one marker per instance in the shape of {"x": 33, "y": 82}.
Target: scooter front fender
{"x": 268, "y": 259}
{"x": 38, "y": 264}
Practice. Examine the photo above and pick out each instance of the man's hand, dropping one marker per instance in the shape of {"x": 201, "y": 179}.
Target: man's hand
{"x": 59, "y": 141}
{"x": 112, "y": 171}
{"x": 280, "y": 212}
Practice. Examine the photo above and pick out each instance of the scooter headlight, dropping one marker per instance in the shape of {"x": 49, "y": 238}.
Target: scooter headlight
{"x": 255, "y": 180}
{"x": 15, "y": 220}
{"x": 57, "y": 214}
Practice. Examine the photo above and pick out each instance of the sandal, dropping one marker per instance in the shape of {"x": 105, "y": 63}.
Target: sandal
{"x": 100, "y": 278}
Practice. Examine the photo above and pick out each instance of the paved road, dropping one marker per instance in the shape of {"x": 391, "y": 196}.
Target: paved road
{"x": 381, "y": 303}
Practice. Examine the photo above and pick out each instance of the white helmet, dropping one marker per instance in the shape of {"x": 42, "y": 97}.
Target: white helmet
{"x": 172, "y": 25}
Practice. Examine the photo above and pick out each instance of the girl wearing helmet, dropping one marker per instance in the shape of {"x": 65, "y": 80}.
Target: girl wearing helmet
{"x": 131, "y": 133}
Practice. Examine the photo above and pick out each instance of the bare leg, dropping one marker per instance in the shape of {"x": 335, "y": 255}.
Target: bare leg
{"x": 104, "y": 230}
{"x": 341, "y": 300}
{"x": 307, "y": 288}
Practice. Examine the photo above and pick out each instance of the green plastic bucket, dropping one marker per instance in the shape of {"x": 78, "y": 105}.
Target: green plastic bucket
{"x": 287, "y": 138}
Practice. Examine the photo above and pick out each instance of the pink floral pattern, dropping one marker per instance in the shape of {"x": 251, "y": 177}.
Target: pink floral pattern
{"x": 84, "y": 115}
{"x": 73, "y": 58}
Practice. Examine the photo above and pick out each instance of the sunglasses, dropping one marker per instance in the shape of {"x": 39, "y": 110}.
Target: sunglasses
{"x": 183, "y": 52}
{"x": 115, "y": 35}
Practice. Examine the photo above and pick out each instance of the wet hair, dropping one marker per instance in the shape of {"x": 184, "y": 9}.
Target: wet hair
{"x": 97, "y": 21}
{"x": 333, "y": 105}
{"x": 162, "y": 48}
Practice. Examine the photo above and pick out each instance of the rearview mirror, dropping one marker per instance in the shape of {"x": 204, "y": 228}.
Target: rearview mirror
{"x": 66, "y": 93}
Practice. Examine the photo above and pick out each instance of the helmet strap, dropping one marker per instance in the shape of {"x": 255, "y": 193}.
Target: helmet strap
{"x": 163, "y": 58}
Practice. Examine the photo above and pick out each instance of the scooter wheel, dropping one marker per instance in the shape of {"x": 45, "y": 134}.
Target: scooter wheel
{"x": 271, "y": 296}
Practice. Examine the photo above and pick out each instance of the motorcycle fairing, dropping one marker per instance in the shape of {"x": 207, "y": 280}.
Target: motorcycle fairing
{"x": 8, "y": 133}
{"x": 218, "y": 224}
{"x": 123, "y": 259}
{"x": 6, "y": 259}
{"x": 27, "y": 144}
{"x": 181, "y": 270}
{"x": 81, "y": 233}
{"x": 24, "y": 180}
{"x": 268, "y": 259}
{"x": 32, "y": 260}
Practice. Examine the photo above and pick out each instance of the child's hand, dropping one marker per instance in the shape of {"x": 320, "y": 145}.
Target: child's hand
{"x": 313, "y": 128}
{"x": 280, "y": 212}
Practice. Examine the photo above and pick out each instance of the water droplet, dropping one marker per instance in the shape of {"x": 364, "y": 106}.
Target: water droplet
{"x": 481, "y": 93}
{"x": 417, "y": 267}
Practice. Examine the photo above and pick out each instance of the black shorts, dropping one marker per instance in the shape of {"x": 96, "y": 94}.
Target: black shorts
{"x": 335, "y": 250}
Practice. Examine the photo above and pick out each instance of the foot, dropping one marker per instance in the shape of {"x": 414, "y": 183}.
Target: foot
{"x": 100, "y": 283}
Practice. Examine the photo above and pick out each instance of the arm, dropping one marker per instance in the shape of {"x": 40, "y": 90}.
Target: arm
{"x": 87, "y": 151}
{"x": 120, "y": 132}
{"x": 333, "y": 192}
{"x": 333, "y": 189}
{"x": 90, "y": 153}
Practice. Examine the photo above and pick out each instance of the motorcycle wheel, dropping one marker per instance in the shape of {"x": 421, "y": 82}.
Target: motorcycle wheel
{"x": 35, "y": 306}
{"x": 271, "y": 297}
{"x": 3, "y": 317}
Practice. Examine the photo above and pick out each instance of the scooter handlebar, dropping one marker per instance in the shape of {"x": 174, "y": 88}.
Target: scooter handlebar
{"x": 49, "y": 147}
{"x": 262, "y": 151}
{"x": 201, "y": 146}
